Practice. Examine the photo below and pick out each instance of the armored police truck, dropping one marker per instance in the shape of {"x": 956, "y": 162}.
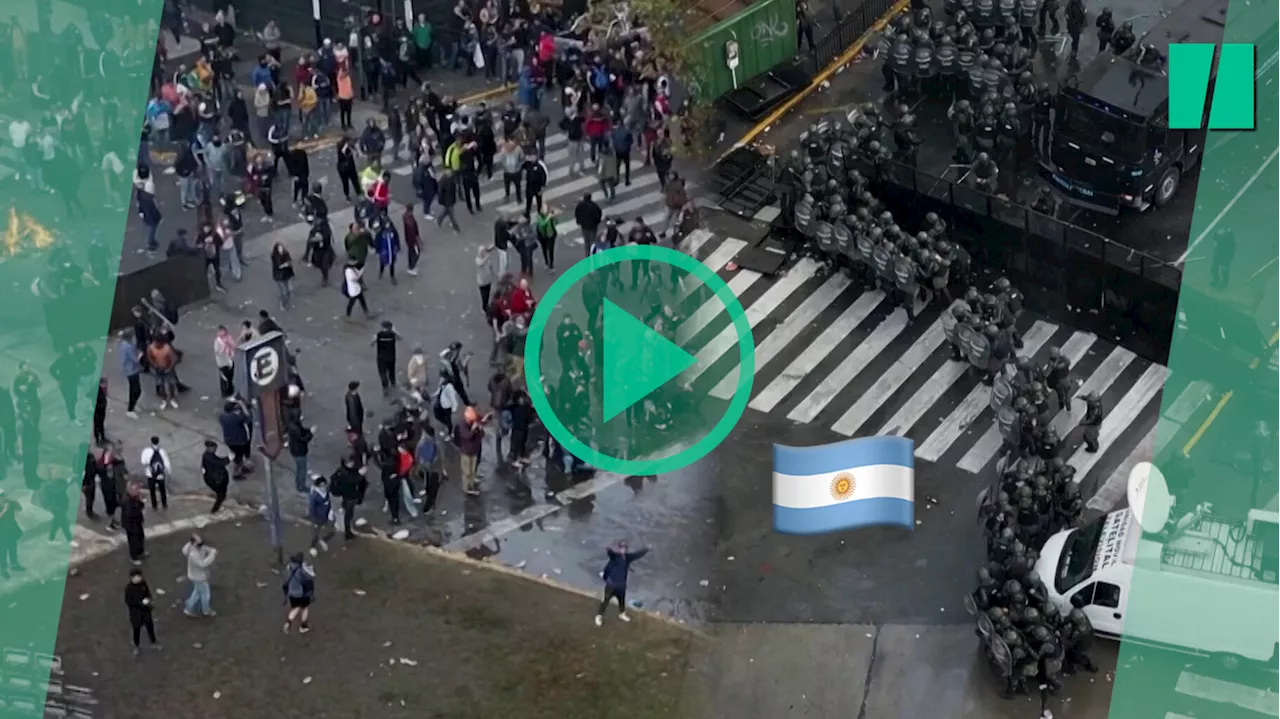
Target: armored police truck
{"x": 1111, "y": 146}
{"x": 1199, "y": 577}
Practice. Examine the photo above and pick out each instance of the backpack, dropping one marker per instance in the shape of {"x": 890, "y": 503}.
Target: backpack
{"x": 156, "y": 465}
{"x": 599, "y": 78}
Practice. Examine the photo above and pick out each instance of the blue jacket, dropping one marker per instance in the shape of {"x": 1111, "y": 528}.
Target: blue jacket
{"x": 299, "y": 582}
{"x": 622, "y": 140}
{"x": 235, "y": 431}
{"x": 526, "y": 90}
{"x": 261, "y": 76}
{"x": 388, "y": 243}
{"x": 129, "y": 363}
{"x": 619, "y": 566}
{"x": 319, "y": 504}
{"x": 147, "y": 208}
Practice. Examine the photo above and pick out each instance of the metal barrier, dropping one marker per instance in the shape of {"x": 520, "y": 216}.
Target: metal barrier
{"x": 1052, "y": 231}
{"x": 852, "y": 25}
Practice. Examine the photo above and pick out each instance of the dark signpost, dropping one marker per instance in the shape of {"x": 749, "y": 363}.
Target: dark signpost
{"x": 261, "y": 373}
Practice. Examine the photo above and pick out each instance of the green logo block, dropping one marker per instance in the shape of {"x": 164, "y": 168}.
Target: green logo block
{"x": 612, "y": 352}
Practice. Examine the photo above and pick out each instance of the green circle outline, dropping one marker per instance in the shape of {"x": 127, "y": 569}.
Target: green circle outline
{"x": 746, "y": 362}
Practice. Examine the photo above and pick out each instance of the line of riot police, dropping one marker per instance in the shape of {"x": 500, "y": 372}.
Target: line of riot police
{"x": 847, "y": 226}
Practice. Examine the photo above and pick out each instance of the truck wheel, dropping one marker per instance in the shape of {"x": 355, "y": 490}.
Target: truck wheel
{"x": 1229, "y": 662}
{"x": 1167, "y": 186}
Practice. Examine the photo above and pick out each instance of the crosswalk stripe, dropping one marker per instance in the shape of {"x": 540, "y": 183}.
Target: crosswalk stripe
{"x": 714, "y": 262}
{"x": 575, "y": 187}
{"x": 892, "y": 380}
{"x": 1223, "y": 692}
{"x": 1124, "y": 415}
{"x": 911, "y": 412}
{"x": 1102, "y": 378}
{"x": 1180, "y": 412}
{"x": 836, "y": 333}
{"x": 984, "y": 450}
{"x": 850, "y": 368}
{"x": 694, "y": 241}
{"x": 765, "y": 304}
{"x": 786, "y": 332}
{"x": 1109, "y": 494}
{"x": 704, "y": 315}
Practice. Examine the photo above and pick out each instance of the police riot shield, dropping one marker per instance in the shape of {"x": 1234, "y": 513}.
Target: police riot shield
{"x": 904, "y": 275}
{"x": 949, "y": 324}
{"x": 901, "y": 58}
{"x": 1001, "y": 394}
{"x": 823, "y": 233}
{"x": 866, "y": 250}
{"x": 978, "y": 350}
{"x": 1001, "y": 657}
{"x": 971, "y": 606}
{"x": 985, "y": 627}
{"x": 843, "y": 238}
{"x": 1007, "y": 421}
{"x": 984, "y": 13}
{"x": 1007, "y": 9}
{"x": 835, "y": 156}
{"x": 946, "y": 57}
{"x": 924, "y": 63}
{"x": 804, "y": 218}
{"x": 883, "y": 259}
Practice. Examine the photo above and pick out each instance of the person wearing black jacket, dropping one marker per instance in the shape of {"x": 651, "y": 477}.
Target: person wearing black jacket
{"x": 345, "y": 484}
{"x": 132, "y": 519}
{"x": 186, "y": 168}
{"x": 447, "y": 197}
{"x": 355, "y": 408}
{"x": 263, "y": 175}
{"x": 299, "y": 168}
{"x": 89, "y": 484}
{"x": 486, "y": 143}
{"x": 215, "y": 469}
{"x": 137, "y": 597}
{"x": 588, "y": 215}
{"x": 389, "y": 466}
{"x": 299, "y": 444}
{"x": 535, "y": 181}
{"x": 348, "y": 175}
{"x": 469, "y": 175}
{"x": 573, "y": 127}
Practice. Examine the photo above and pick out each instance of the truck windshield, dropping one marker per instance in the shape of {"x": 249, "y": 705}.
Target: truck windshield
{"x": 1096, "y": 130}
{"x": 1076, "y": 562}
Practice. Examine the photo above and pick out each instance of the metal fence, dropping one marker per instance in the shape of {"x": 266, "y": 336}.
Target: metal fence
{"x": 1051, "y": 232}
{"x": 852, "y": 25}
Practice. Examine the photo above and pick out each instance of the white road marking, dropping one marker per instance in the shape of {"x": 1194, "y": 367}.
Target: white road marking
{"x": 892, "y": 380}
{"x": 851, "y": 367}
{"x": 1121, "y": 418}
{"x": 826, "y": 343}
{"x": 1223, "y": 692}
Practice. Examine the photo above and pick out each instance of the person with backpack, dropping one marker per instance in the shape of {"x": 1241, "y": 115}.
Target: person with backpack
{"x": 425, "y": 185}
{"x": 615, "y": 574}
{"x": 157, "y": 469}
{"x": 535, "y": 181}
{"x": 607, "y": 173}
{"x": 676, "y": 199}
{"x": 299, "y": 591}
{"x": 662, "y": 154}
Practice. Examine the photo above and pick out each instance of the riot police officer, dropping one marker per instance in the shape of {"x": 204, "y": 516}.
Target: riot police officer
{"x": 1028, "y": 10}
{"x": 906, "y": 139}
{"x": 1124, "y": 38}
{"x": 1041, "y": 117}
{"x": 1077, "y": 18}
{"x": 986, "y": 173}
{"x": 1049, "y": 11}
{"x": 1057, "y": 375}
{"x": 1010, "y": 133}
{"x": 1092, "y": 421}
{"x": 1106, "y": 25}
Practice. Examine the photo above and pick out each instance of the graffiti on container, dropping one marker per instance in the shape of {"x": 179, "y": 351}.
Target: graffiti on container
{"x": 768, "y": 30}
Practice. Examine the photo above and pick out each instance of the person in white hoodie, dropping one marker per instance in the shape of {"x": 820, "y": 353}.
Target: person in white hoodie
{"x": 157, "y": 469}
{"x": 200, "y": 558}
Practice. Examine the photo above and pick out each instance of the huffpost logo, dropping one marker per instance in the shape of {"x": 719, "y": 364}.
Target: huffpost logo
{"x": 1192, "y": 71}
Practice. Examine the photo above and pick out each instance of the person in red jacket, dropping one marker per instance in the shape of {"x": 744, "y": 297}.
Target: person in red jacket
{"x": 522, "y": 302}
{"x": 380, "y": 191}
{"x": 597, "y": 129}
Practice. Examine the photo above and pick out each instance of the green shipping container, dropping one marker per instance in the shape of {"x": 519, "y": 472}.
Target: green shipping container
{"x": 765, "y": 34}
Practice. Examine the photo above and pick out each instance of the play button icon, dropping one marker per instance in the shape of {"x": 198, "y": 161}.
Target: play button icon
{"x": 625, "y": 339}
{"x": 606, "y": 350}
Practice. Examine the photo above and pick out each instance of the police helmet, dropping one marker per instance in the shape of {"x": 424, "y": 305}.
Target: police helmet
{"x": 982, "y": 157}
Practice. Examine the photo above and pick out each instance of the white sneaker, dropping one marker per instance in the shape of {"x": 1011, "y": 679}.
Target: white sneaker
{"x": 324, "y": 546}
{"x": 623, "y": 616}
{"x": 314, "y": 553}
{"x": 131, "y": 415}
{"x": 163, "y": 404}
{"x": 599, "y": 621}
{"x": 173, "y": 403}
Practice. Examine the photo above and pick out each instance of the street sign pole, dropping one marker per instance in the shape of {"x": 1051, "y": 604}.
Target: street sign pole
{"x": 260, "y": 375}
